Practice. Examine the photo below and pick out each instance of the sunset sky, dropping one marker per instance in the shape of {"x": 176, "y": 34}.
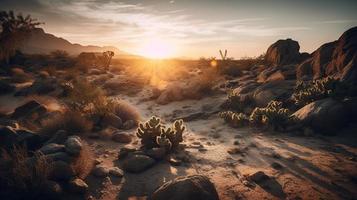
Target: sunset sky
{"x": 192, "y": 28}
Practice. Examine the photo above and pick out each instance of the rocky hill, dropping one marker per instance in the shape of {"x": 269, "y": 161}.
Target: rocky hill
{"x": 41, "y": 42}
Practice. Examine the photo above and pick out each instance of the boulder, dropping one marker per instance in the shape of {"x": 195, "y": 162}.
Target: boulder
{"x": 121, "y": 137}
{"x": 29, "y": 108}
{"x": 337, "y": 59}
{"x": 52, "y": 148}
{"x": 283, "y": 52}
{"x": 73, "y": 145}
{"x": 276, "y": 90}
{"x": 196, "y": 187}
{"x": 326, "y": 115}
{"x": 137, "y": 163}
{"x": 29, "y": 139}
{"x": 78, "y": 186}
{"x": 112, "y": 120}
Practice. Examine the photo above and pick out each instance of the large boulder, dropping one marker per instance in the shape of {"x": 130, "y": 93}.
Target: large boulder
{"x": 338, "y": 59}
{"x": 275, "y": 90}
{"x": 327, "y": 115}
{"x": 283, "y": 52}
{"x": 277, "y": 73}
{"x": 196, "y": 187}
{"x": 73, "y": 145}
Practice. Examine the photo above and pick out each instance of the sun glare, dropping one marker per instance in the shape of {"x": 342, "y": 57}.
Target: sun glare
{"x": 157, "y": 49}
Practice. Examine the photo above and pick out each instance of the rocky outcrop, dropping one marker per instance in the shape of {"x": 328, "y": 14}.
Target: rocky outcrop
{"x": 337, "y": 59}
{"x": 195, "y": 187}
{"x": 283, "y": 52}
{"x": 327, "y": 115}
{"x": 29, "y": 108}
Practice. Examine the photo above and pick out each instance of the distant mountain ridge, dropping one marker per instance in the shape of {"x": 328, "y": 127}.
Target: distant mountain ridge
{"x": 41, "y": 42}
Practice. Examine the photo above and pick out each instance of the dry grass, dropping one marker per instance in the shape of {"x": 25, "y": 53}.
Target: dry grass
{"x": 84, "y": 163}
{"x": 126, "y": 111}
{"x": 22, "y": 174}
{"x": 70, "y": 121}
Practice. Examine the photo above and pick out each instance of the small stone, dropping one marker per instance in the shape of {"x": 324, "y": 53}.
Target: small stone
{"x": 121, "y": 137}
{"x": 236, "y": 142}
{"x": 276, "y": 166}
{"x": 138, "y": 163}
{"x": 156, "y": 153}
{"x": 100, "y": 171}
{"x": 78, "y": 186}
{"x": 259, "y": 177}
{"x": 97, "y": 161}
{"x": 73, "y": 145}
{"x": 175, "y": 162}
{"x": 115, "y": 171}
{"x": 129, "y": 124}
{"x": 52, "y": 148}
{"x": 234, "y": 150}
{"x": 202, "y": 149}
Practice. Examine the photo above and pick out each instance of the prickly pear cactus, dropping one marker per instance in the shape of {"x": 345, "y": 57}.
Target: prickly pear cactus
{"x": 153, "y": 134}
{"x": 235, "y": 119}
{"x": 148, "y": 132}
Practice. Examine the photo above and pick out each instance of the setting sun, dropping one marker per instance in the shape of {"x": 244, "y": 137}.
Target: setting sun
{"x": 157, "y": 49}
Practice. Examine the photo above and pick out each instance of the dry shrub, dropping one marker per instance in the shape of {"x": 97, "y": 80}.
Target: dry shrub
{"x": 84, "y": 163}
{"x": 126, "y": 111}
{"x": 70, "y": 121}
{"x": 23, "y": 174}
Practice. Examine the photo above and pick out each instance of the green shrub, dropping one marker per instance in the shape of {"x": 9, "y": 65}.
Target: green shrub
{"x": 307, "y": 92}
{"x": 273, "y": 116}
{"x": 235, "y": 119}
{"x": 154, "y": 134}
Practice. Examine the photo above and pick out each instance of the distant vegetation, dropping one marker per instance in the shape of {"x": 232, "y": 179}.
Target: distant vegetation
{"x": 15, "y": 30}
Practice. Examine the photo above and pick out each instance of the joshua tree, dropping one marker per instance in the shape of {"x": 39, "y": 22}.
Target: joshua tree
{"x": 14, "y": 30}
{"x": 107, "y": 58}
{"x": 223, "y": 56}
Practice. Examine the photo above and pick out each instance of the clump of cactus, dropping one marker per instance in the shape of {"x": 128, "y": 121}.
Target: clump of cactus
{"x": 273, "y": 116}
{"x": 238, "y": 103}
{"x": 235, "y": 119}
{"x": 307, "y": 92}
{"x": 154, "y": 134}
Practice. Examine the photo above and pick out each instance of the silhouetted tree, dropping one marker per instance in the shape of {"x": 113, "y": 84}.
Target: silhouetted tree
{"x": 107, "y": 58}
{"x": 14, "y": 30}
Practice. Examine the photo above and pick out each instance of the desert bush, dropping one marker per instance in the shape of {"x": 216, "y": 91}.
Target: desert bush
{"x": 273, "y": 116}
{"x": 84, "y": 163}
{"x": 125, "y": 111}
{"x": 235, "y": 119}
{"x": 71, "y": 121}
{"x": 59, "y": 54}
{"x": 154, "y": 134}
{"x": 24, "y": 176}
{"x": 307, "y": 92}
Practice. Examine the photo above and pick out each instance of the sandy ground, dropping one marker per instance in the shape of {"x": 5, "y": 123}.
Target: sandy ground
{"x": 300, "y": 167}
